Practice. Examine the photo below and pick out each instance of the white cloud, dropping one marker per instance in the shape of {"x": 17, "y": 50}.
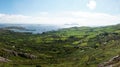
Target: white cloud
{"x": 91, "y": 4}
{"x": 67, "y": 17}
{"x": 5, "y": 18}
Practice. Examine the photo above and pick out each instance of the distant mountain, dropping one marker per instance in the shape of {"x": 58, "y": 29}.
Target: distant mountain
{"x": 33, "y": 28}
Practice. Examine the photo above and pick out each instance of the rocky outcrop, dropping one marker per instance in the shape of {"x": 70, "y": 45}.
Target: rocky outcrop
{"x": 4, "y": 59}
{"x": 21, "y": 54}
{"x": 11, "y": 52}
{"x": 27, "y": 55}
{"x": 111, "y": 62}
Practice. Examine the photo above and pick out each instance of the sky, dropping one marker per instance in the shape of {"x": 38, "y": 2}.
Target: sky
{"x": 82, "y": 12}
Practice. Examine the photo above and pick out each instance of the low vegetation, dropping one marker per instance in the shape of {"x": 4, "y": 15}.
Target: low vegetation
{"x": 69, "y": 47}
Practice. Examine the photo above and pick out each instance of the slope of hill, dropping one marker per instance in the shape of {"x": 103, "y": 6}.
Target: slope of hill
{"x": 69, "y": 47}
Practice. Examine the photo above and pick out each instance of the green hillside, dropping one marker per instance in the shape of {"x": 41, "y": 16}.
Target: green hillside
{"x": 69, "y": 47}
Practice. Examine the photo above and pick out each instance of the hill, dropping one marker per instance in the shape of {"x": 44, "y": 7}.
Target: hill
{"x": 68, "y": 47}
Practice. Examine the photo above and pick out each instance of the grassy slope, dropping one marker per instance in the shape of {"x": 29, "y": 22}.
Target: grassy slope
{"x": 70, "y": 47}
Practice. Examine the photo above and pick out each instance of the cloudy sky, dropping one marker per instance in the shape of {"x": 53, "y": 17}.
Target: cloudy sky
{"x": 82, "y": 12}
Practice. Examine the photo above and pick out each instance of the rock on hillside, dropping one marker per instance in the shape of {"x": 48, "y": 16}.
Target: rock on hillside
{"x": 4, "y": 59}
{"x": 111, "y": 62}
{"x": 21, "y": 54}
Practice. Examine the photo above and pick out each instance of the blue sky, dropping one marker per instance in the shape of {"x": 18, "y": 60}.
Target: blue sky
{"x": 60, "y": 11}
